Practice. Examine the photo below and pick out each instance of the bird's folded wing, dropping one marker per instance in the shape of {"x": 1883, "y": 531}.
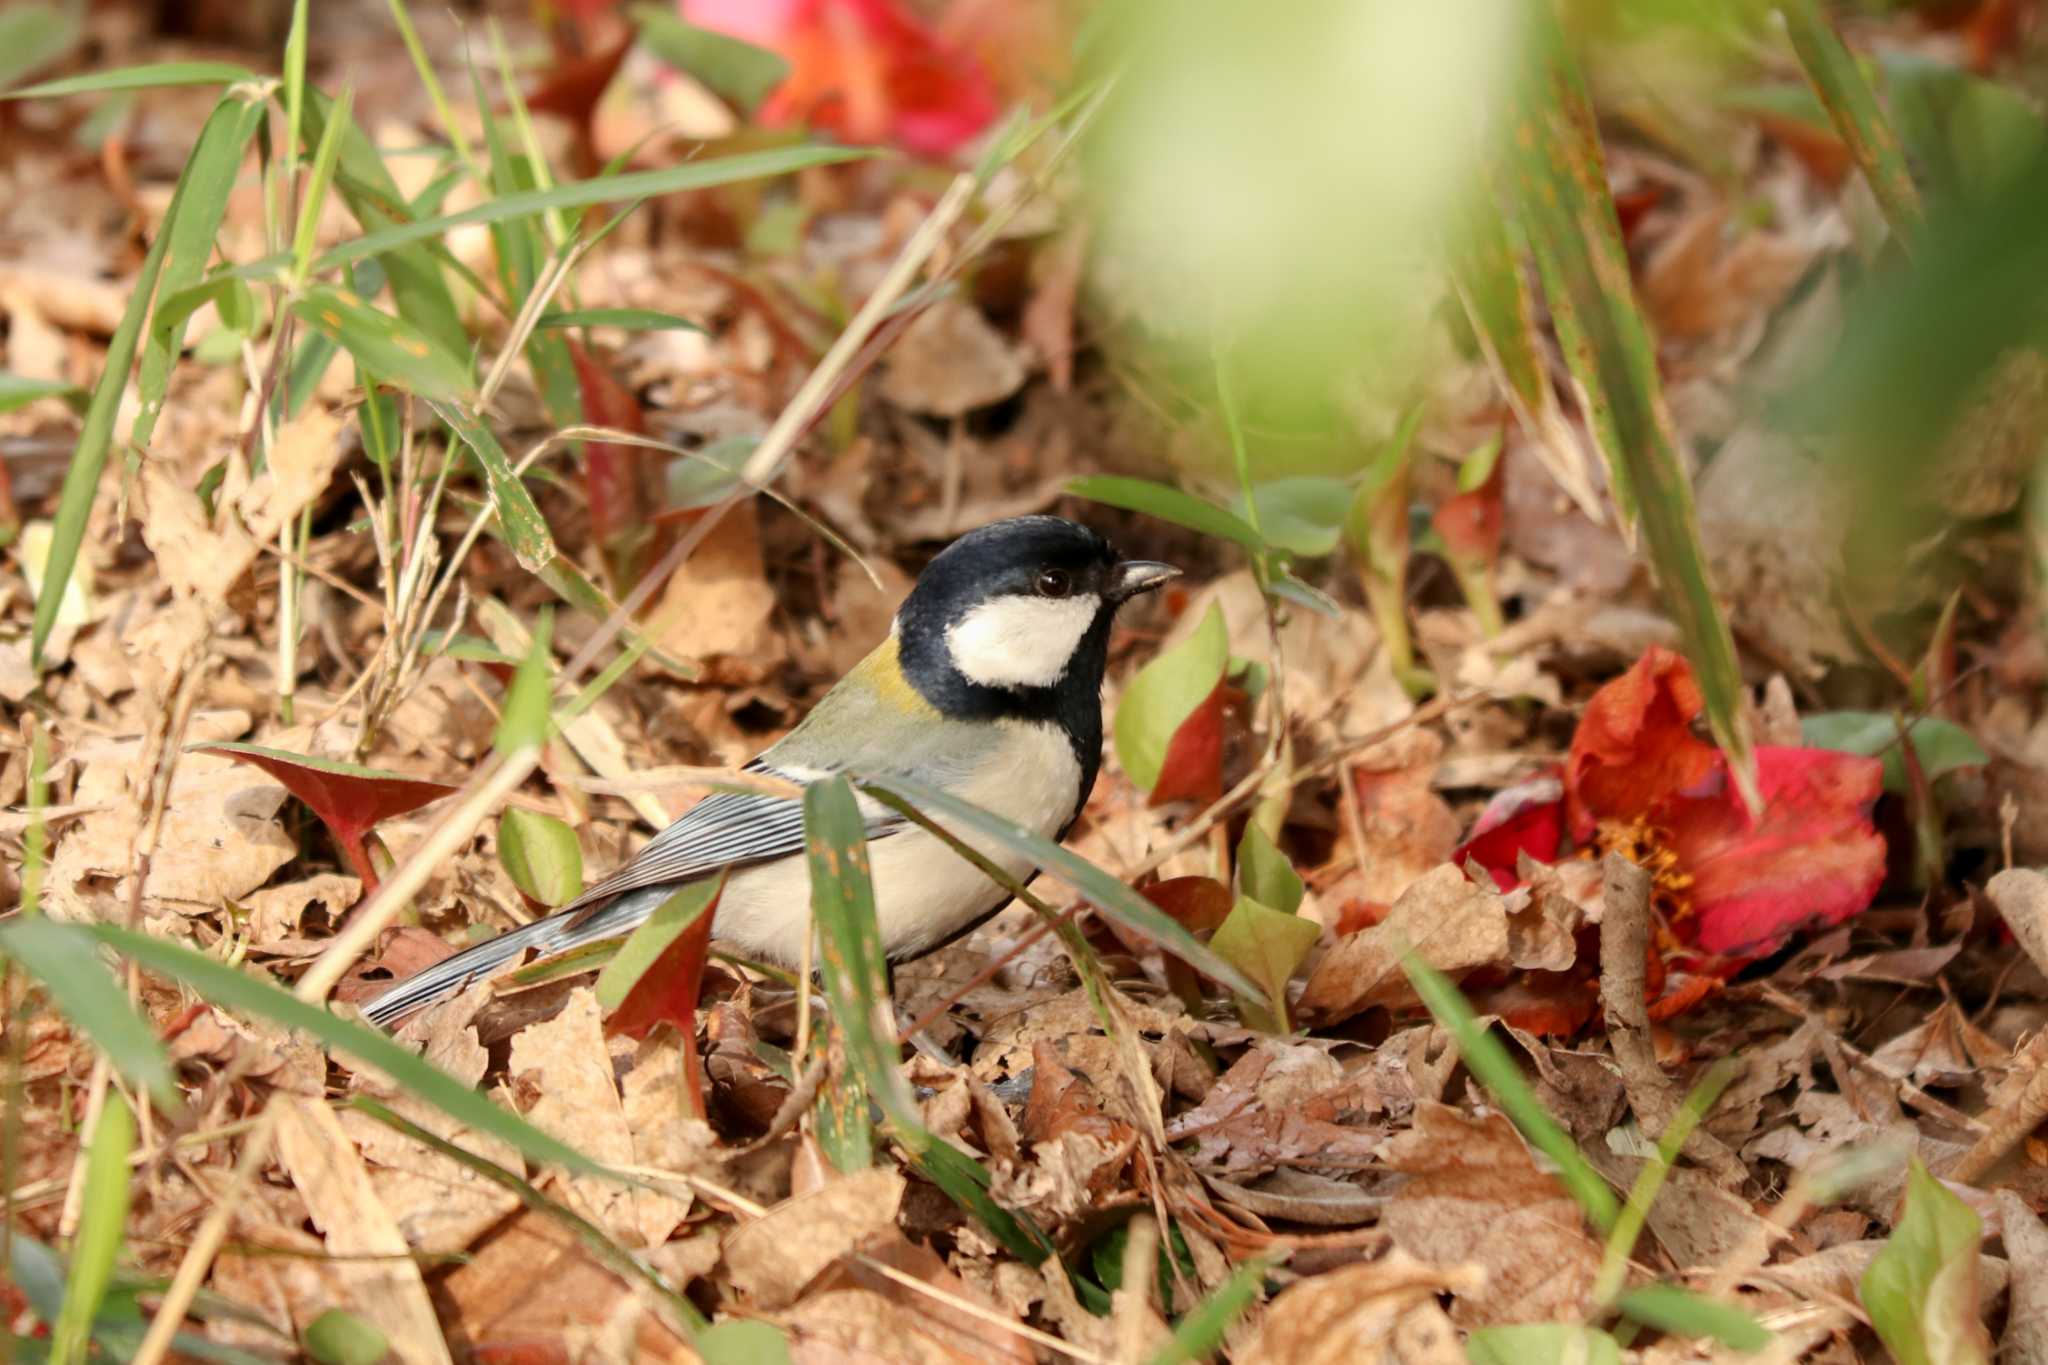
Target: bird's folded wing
{"x": 726, "y": 829}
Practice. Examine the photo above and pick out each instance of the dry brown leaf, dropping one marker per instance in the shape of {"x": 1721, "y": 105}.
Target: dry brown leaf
{"x": 1475, "y": 1195}
{"x": 773, "y": 1257}
{"x": 373, "y": 1259}
{"x": 841, "y": 1319}
{"x": 950, "y": 362}
{"x": 1407, "y": 828}
{"x": 531, "y": 1292}
{"x": 2025, "y": 1341}
{"x": 1452, "y": 923}
{"x": 1361, "y": 1314}
{"x": 2021, "y": 896}
{"x": 565, "y": 1062}
{"x": 718, "y": 608}
{"x": 275, "y": 911}
{"x": 1285, "y": 1104}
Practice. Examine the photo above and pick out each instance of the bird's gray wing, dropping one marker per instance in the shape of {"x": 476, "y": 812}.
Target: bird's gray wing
{"x": 725, "y": 829}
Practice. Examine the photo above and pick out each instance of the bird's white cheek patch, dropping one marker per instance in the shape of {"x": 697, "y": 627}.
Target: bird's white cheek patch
{"x": 1020, "y": 641}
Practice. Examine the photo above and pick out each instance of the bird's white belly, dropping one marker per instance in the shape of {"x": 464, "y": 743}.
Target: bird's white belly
{"x": 924, "y": 892}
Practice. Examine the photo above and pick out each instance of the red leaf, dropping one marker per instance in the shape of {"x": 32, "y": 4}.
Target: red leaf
{"x": 1197, "y": 904}
{"x": 1635, "y": 746}
{"x": 1471, "y": 523}
{"x": 1193, "y": 767}
{"x": 667, "y": 993}
{"x": 1812, "y": 857}
{"x": 615, "y": 476}
{"x": 575, "y": 84}
{"x": 350, "y": 800}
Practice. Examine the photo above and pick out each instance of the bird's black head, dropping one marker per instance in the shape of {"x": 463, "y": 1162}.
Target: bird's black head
{"x": 1013, "y": 620}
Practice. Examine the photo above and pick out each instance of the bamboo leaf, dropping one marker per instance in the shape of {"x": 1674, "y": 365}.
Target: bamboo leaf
{"x": 397, "y": 352}
{"x": 1562, "y": 195}
{"x": 525, "y": 529}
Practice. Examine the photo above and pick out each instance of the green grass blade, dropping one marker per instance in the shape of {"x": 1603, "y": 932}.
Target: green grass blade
{"x": 87, "y": 994}
{"x": 18, "y": 391}
{"x": 418, "y": 287}
{"x": 632, "y": 319}
{"x": 525, "y": 529}
{"x": 1201, "y": 1331}
{"x": 102, "y": 1218}
{"x": 423, "y": 67}
{"x": 32, "y": 37}
{"x": 850, "y": 957}
{"x": 1621, "y": 1242}
{"x": 1669, "y": 1308}
{"x": 1168, "y": 504}
{"x": 208, "y": 179}
{"x": 390, "y": 347}
{"x": 607, "y": 189}
{"x": 89, "y": 456}
{"x": 153, "y": 76}
{"x": 1852, "y": 107}
{"x": 1489, "y": 1061}
{"x": 231, "y": 989}
{"x": 318, "y": 181}
{"x": 1570, "y": 219}
{"x": 739, "y": 71}
{"x": 1108, "y": 894}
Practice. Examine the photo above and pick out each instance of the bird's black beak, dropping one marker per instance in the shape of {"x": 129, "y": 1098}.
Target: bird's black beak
{"x": 1134, "y": 576}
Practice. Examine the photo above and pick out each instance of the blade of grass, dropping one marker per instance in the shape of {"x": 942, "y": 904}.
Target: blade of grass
{"x": 1562, "y": 194}
{"x": 87, "y": 994}
{"x": 1489, "y": 1061}
{"x": 1168, "y": 504}
{"x": 423, "y": 67}
{"x": 418, "y": 287}
{"x": 1109, "y": 895}
{"x": 89, "y": 456}
{"x": 611, "y": 189}
{"x": 389, "y": 346}
{"x": 856, "y": 976}
{"x": 318, "y": 181}
{"x": 100, "y": 1228}
{"x": 526, "y": 530}
{"x": 632, "y": 319}
{"x": 153, "y": 76}
{"x": 1621, "y": 1241}
{"x": 1852, "y": 107}
{"x": 231, "y": 989}
{"x": 1669, "y": 1308}
{"x": 1201, "y": 1332}
{"x": 17, "y": 391}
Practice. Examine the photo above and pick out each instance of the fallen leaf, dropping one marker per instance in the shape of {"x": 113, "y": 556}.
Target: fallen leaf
{"x": 774, "y": 1256}
{"x": 950, "y": 361}
{"x": 1449, "y": 921}
{"x": 1381, "y": 1311}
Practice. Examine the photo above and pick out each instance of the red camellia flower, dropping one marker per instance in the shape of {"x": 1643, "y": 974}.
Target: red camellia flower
{"x": 867, "y": 70}
{"x": 1730, "y": 886}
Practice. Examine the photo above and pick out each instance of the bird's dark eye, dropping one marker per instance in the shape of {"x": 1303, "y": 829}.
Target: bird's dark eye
{"x": 1054, "y": 583}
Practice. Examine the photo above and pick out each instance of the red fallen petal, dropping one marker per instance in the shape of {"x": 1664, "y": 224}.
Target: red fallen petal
{"x": 1193, "y": 767}
{"x": 1525, "y": 818}
{"x": 1547, "y": 1004}
{"x": 1635, "y": 747}
{"x": 1471, "y": 523}
{"x": 1681, "y": 992}
{"x": 1812, "y": 857}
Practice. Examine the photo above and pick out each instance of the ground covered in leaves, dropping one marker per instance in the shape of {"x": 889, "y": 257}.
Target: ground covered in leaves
{"x": 248, "y": 713}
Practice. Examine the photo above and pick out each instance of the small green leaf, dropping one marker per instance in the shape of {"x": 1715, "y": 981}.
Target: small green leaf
{"x": 1942, "y": 746}
{"x": 525, "y": 722}
{"x": 742, "y": 1341}
{"x": 1266, "y": 945}
{"x": 1264, "y": 874}
{"x": 338, "y": 1337}
{"x": 154, "y": 76}
{"x": 1549, "y": 1343}
{"x": 541, "y": 855}
{"x": 1921, "y": 1290}
{"x": 1168, "y": 504}
{"x": 103, "y": 1216}
{"x": 734, "y": 69}
{"x": 1668, "y": 1308}
{"x": 1165, "y": 693}
{"x": 632, "y": 319}
{"x": 647, "y": 943}
{"x": 393, "y": 349}
{"x": 32, "y": 37}
{"x": 86, "y": 993}
{"x": 1303, "y": 516}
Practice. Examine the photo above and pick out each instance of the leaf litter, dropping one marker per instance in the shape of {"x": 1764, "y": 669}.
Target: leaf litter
{"x": 1884, "y": 1015}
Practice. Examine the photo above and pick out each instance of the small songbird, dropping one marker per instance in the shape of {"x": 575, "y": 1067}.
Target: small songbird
{"x": 989, "y": 687}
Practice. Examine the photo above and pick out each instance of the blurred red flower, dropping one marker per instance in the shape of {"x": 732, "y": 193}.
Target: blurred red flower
{"x": 1730, "y": 886}
{"x": 867, "y": 70}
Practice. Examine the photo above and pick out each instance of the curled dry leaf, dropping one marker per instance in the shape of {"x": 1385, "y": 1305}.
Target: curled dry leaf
{"x": 867, "y": 1313}
{"x": 1382, "y": 1311}
{"x": 773, "y": 1258}
{"x": 950, "y": 362}
{"x": 1450, "y": 921}
{"x": 1476, "y": 1196}
{"x": 2021, "y": 896}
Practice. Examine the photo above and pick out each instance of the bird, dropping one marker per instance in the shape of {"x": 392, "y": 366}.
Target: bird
{"x": 988, "y": 686}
